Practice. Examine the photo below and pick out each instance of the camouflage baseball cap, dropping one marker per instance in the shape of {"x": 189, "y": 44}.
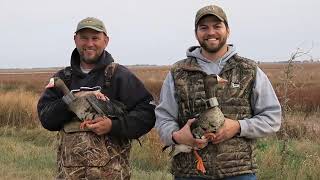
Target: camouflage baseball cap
{"x": 211, "y": 10}
{"x": 91, "y": 23}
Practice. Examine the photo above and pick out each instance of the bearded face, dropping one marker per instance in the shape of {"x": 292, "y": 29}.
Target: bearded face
{"x": 90, "y": 45}
{"x": 212, "y": 34}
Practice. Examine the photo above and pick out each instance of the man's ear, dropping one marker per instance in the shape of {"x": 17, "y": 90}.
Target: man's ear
{"x": 195, "y": 34}
{"x": 106, "y": 40}
{"x": 228, "y": 31}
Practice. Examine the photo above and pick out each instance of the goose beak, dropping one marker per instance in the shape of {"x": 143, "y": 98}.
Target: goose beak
{"x": 221, "y": 80}
{"x": 50, "y": 84}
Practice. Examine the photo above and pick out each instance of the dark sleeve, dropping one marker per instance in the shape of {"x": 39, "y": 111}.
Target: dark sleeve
{"x": 131, "y": 91}
{"x": 52, "y": 111}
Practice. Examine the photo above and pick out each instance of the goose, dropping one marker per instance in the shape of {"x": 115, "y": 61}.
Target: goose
{"x": 207, "y": 122}
{"x": 88, "y": 105}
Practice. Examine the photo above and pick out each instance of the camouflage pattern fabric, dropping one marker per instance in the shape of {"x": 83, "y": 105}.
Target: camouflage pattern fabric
{"x": 85, "y": 155}
{"x": 235, "y": 156}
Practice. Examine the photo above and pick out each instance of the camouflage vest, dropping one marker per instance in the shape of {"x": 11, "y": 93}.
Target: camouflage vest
{"x": 84, "y": 155}
{"x": 232, "y": 157}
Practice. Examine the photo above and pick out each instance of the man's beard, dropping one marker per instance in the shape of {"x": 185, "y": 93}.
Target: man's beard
{"x": 89, "y": 61}
{"x": 215, "y": 49}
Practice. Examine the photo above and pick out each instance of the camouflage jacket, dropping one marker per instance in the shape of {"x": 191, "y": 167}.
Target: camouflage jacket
{"x": 232, "y": 157}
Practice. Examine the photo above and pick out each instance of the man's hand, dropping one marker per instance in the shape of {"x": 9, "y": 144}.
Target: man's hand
{"x": 97, "y": 93}
{"x": 184, "y": 136}
{"x": 100, "y": 125}
{"x": 229, "y": 129}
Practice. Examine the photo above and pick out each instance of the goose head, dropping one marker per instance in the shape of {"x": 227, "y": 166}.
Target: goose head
{"x": 56, "y": 82}
{"x": 211, "y": 83}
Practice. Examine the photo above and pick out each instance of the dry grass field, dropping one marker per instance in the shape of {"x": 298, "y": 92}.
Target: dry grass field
{"x": 20, "y": 128}
{"x": 304, "y": 90}
{"x": 305, "y": 84}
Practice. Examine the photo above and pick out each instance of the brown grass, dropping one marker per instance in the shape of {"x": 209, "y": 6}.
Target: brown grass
{"x": 152, "y": 77}
{"x": 304, "y": 96}
{"x": 30, "y": 81}
{"x": 19, "y": 94}
{"x": 305, "y": 86}
{"x": 301, "y": 162}
{"x": 149, "y": 156}
{"x": 18, "y": 108}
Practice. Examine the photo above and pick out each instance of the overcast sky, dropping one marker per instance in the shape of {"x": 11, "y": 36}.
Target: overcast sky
{"x": 39, "y": 33}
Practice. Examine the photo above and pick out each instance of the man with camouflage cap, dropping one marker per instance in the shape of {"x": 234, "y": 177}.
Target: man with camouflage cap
{"x": 101, "y": 150}
{"x": 248, "y": 102}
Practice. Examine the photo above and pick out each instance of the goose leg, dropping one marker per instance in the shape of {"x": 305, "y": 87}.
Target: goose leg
{"x": 200, "y": 165}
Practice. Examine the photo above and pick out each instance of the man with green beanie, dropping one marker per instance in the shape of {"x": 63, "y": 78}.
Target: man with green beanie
{"x": 101, "y": 149}
{"x": 247, "y": 100}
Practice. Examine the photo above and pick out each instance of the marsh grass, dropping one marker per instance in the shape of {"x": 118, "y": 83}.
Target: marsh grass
{"x": 18, "y": 108}
{"x": 30, "y": 154}
{"x": 301, "y": 162}
{"x": 149, "y": 156}
{"x": 28, "y": 151}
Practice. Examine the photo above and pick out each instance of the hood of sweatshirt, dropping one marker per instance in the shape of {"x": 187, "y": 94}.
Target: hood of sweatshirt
{"x": 207, "y": 65}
